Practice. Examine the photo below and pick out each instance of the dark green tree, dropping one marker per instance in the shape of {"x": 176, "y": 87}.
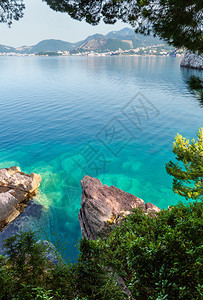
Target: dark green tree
{"x": 27, "y": 257}
{"x": 188, "y": 180}
{"x": 11, "y": 10}
{"x": 177, "y": 22}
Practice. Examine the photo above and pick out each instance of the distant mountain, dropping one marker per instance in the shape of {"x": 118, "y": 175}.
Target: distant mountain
{"x": 89, "y": 38}
{"x": 121, "y": 34}
{"x": 48, "y": 45}
{"x": 124, "y": 39}
{"x": 138, "y": 40}
{"x": 103, "y": 45}
{"x": 6, "y": 49}
{"x": 96, "y": 36}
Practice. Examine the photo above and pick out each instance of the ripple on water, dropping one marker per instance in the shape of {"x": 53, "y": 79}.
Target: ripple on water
{"x": 56, "y": 106}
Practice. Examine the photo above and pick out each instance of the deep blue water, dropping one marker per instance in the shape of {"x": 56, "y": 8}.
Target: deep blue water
{"x": 114, "y": 118}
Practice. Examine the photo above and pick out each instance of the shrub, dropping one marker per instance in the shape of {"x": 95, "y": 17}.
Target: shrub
{"x": 188, "y": 176}
{"x": 158, "y": 257}
{"x": 28, "y": 274}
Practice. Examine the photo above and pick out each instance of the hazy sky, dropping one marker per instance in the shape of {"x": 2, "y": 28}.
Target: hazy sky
{"x": 40, "y": 22}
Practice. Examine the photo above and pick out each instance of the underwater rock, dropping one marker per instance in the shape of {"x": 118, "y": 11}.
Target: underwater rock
{"x": 24, "y": 223}
{"x": 16, "y": 188}
{"x": 102, "y": 204}
{"x": 192, "y": 60}
{"x": 34, "y": 218}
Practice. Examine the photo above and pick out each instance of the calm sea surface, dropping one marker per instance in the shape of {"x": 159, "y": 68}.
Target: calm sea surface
{"x": 114, "y": 118}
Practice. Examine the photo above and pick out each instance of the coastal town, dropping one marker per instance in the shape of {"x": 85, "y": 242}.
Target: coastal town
{"x": 155, "y": 50}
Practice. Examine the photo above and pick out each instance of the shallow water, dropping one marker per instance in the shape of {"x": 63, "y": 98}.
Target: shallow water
{"x": 114, "y": 118}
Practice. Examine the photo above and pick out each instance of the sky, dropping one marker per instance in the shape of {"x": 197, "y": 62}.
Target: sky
{"x": 40, "y": 23}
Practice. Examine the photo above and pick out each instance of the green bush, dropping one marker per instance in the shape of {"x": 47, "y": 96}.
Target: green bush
{"x": 188, "y": 176}
{"x": 27, "y": 274}
{"x": 93, "y": 278}
{"x": 158, "y": 257}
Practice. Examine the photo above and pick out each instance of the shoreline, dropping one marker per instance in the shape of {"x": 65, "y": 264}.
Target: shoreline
{"x": 105, "y": 55}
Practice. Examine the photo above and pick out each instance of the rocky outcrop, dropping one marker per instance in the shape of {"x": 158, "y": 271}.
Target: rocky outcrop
{"x": 192, "y": 60}
{"x": 102, "y": 204}
{"x": 16, "y": 188}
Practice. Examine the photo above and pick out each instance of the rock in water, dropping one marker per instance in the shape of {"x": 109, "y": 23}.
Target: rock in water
{"x": 101, "y": 203}
{"x": 31, "y": 214}
{"x": 15, "y": 187}
{"x": 35, "y": 218}
{"x": 192, "y": 60}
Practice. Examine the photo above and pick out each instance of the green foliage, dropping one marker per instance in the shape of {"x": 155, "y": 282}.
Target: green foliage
{"x": 195, "y": 83}
{"x": 29, "y": 292}
{"x": 11, "y": 10}
{"x": 27, "y": 257}
{"x": 158, "y": 257}
{"x": 200, "y": 96}
{"x": 27, "y": 274}
{"x": 177, "y": 22}
{"x": 188, "y": 181}
{"x": 93, "y": 278}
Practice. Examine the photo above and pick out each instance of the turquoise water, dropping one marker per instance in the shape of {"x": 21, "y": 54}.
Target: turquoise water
{"x": 114, "y": 118}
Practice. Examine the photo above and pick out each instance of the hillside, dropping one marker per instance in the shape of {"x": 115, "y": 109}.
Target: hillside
{"x": 103, "y": 45}
{"x": 6, "y": 49}
{"x": 124, "y": 39}
{"x": 138, "y": 40}
{"x": 48, "y": 45}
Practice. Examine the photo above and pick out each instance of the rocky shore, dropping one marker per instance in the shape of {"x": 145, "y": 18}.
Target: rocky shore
{"x": 16, "y": 188}
{"x": 102, "y": 204}
{"x": 192, "y": 60}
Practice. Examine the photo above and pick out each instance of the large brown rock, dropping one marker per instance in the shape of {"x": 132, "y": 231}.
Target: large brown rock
{"x": 15, "y": 187}
{"x": 101, "y": 203}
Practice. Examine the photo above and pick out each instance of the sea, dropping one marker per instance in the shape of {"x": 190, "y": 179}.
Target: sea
{"x": 113, "y": 118}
